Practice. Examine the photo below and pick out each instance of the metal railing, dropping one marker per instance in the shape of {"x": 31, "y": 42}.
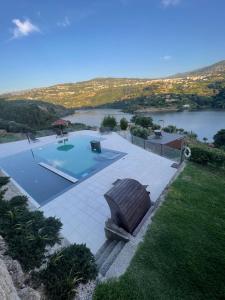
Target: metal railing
{"x": 160, "y": 149}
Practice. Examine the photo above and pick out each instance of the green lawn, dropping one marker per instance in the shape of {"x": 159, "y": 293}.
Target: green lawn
{"x": 183, "y": 253}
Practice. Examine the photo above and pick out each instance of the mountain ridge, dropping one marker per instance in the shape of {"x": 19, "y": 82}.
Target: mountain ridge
{"x": 213, "y": 68}
{"x": 203, "y": 82}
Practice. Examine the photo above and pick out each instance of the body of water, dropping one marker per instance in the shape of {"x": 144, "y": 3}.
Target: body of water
{"x": 94, "y": 117}
{"x": 203, "y": 123}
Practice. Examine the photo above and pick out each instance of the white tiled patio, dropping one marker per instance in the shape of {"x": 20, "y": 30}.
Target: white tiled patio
{"x": 83, "y": 209}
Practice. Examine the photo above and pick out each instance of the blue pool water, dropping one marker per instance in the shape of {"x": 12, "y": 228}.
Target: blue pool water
{"x": 72, "y": 156}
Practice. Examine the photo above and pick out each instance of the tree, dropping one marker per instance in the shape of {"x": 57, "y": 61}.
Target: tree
{"x": 123, "y": 124}
{"x": 109, "y": 122}
{"x": 219, "y": 138}
{"x": 143, "y": 121}
{"x": 219, "y": 99}
{"x": 205, "y": 139}
{"x": 140, "y": 132}
{"x": 170, "y": 129}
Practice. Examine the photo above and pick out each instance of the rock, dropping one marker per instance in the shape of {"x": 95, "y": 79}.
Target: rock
{"x": 29, "y": 294}
{"x": 16, "y": 272}
{"x": 7, "y": 289}
{"x": 3, "y": 132}
{"x": 3, "y": 246}
{"x": 85, "y": 291}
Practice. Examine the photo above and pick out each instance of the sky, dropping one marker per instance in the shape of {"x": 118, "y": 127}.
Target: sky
{"x": 45, "y": 42}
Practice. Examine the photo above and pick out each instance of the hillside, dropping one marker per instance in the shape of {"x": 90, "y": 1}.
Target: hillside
{"x": 197, "y": 88}
{"x": 216, "y": 68}
{"x": 17, "y": 115}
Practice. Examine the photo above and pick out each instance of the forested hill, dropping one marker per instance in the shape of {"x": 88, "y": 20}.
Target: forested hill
{"x": 197, "y": 89}
{"x": 17, "y": 115}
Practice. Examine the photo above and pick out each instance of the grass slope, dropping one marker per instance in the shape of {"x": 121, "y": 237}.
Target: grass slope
{"x": 182, "y": 256}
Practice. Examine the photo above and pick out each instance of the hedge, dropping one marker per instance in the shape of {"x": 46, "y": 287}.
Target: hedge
{"x": 205, "y": 155}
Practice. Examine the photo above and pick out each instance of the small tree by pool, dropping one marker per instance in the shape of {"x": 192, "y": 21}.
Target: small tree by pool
{"x": 109, "y": 122}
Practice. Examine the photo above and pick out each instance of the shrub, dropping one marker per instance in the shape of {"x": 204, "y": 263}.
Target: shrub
{"x": 109, "y": 122}
{"x": 123, "y": 124}
{"x": 65, "y": 269}
{"x": 143, "y": 121}
{"x": 27, "y": 233}
{"x": 170, "y": 129}
{"x": 155, "y": 126}
{"x": 3, "y": 182}
{"x": 140, "y": 132}
{"x": 17, "y": 127}
{"x": 204, "y": 155}
{"x": 219, "y": 138}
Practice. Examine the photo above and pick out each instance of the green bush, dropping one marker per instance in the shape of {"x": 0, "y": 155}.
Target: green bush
{"x": 219, "y": 138}
{"x": 170, "y": 129}
{"x": 143, "y": 121}
{"x": 123, "y": 124}
{"x": 66, "y": 269}
{"x": 27, "y": 233}
{"x": 205, "y": 155}
{"x": 3, "y": 182}
{"x": 109, "y": 122}
{"x": 11, "y": 126}
{"x": 23, "y": 114}
{"x": 155, "y": 126}
{"x": 140, "y": 132}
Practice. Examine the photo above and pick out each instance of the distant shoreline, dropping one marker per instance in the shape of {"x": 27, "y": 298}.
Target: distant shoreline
{"x": 157, "y": 109}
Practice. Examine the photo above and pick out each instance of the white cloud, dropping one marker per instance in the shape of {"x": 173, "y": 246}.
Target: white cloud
{"x": 23, "y": 28}
{"x": 167, "y": 3}
{"x": 64, "y": 23}
{"x": 166, "y": 57}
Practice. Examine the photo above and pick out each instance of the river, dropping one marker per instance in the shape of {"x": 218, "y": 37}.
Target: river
{"x": 203, "y": 123}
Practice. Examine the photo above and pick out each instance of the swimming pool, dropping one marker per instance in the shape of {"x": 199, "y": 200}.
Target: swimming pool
{"x": 70, "y": 156}
{"x": 74, "y": 156}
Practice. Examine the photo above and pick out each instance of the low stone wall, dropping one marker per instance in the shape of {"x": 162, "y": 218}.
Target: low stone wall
{"x": 7, "y": 289}
{"x": 12, "y": 278}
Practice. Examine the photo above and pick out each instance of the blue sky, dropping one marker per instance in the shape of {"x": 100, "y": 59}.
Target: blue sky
{"x": 43, "y": 42}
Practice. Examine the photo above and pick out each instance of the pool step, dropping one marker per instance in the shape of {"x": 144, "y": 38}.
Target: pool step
{"x": 107, "y": 255}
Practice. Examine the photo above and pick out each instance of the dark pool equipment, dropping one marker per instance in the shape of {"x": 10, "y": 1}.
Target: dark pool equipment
{"x": 96, "y": 146}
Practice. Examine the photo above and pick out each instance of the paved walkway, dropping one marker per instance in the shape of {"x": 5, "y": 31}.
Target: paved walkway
{"x": 83, "y": 209}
